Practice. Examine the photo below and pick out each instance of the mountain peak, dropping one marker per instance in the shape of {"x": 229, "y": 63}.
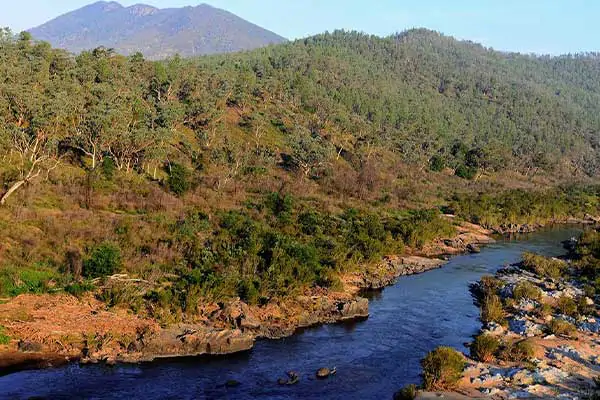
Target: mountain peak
{"x": 106, "y": 6}
{"x": 157, "y": 33}
{"x": 142, "y": 10}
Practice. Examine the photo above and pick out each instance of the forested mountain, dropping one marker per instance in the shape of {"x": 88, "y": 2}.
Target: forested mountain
{"x": 158, "y": 33}
{"x": 259, "y": 172}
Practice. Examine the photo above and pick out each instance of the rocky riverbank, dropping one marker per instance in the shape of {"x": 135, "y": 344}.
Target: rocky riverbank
{"x": 48, "y": 330}
{"x": 546, "y": 342}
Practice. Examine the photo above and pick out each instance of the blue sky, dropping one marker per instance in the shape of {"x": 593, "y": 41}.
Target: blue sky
{"x": 540, "y": 26}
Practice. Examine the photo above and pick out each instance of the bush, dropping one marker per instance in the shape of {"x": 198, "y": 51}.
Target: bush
{"x": 488, "y": 285}
{"x": 436, "y": 164}
{"x": 442, "y": 369}
{"x": 104, "y": 260}
{"x": 526, "y": 291}
{"x": 108, "y": 168}
{"x": 407, "y": 393}
{"x": 4, "y": 338}
{"x": 178, "y": 179}
{"x": 484, "y": 347}
{"x": 561, "y": 327}
{"x": 517, "y": 352}
{"x": 543, "y": 311}
{"x": 583, "y": 308}
{"x": 249, "y": 291}
{"x": 544, "y": 266}
{"x": 491, "y": 309}
{"x": 16, "y": 281}
{"x": 78, "y": 289}
{"x": 567, "y": 306}
{"x": 465, "y": 172}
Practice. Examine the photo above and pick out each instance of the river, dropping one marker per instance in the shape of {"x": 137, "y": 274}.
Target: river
{"x": 374, "y": 358}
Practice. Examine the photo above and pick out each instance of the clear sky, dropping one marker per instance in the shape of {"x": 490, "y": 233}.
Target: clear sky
{"x": 540, "y": 26}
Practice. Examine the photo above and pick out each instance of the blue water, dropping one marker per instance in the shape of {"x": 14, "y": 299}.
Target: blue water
{"x": 374, "y": 358}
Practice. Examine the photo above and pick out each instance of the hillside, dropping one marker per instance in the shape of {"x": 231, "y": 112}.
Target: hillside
{"x": 158, "y": 33}
{"x": 260, "y": 174}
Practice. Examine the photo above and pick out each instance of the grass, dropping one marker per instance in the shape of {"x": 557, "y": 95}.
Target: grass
{"x": 35, "y": 280}
{"x": 4, "y": 338}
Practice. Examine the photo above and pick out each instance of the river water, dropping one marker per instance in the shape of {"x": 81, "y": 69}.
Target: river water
{"x": 374, "y": 358}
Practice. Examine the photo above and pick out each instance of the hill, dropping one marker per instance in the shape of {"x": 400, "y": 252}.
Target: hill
{"x": 259, "y": 174}
{"x": 158, "y": 33}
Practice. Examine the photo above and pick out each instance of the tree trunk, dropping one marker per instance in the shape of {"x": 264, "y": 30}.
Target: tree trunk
{"x": 12, "y": 189}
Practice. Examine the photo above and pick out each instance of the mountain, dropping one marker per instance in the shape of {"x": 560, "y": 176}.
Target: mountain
{"x": 157, "y": 33}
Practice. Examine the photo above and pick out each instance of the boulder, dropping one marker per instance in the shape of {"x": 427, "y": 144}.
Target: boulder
{"x": 323, "y": 373}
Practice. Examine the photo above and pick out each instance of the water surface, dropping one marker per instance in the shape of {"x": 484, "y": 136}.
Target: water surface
{"x": 374, "y": 358}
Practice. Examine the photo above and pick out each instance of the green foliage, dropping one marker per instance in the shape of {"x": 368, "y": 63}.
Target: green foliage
{"x": 561, "y": 327}
{"x": 108, "y": 168}
{"x": 465, "y": 172}
{"x": 4, "y": 338}
{"x": 442, "y": 369}
{"x": 103, "y": 260}
{"x": 36, "y": 280}
{"x": 517, "y": 351}
{"x": 77, "y": 289}
{"x": 437, "y": 163}
{"x": 178, "y": 179}
{"x": 526, "y": 291}
{"x": 567, "y": 306}
{"x": 409, "y": 392}
{"x": 492, "y": 310}
{"x": 545, "y": 267}
{"x": 484, "y": 347}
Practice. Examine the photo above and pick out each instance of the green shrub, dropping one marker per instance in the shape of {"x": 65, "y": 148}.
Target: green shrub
{"x": 108, "y": 168}
{"x": 517, "y": 352}
{"x": 543, "y": 310}
{"x": 466, "y": 172}
{"x": 583, "y": 308}
{"x": 484, "y": 347}
{"x": 16, "y": 281}
{"x": 442, "y": 369}
{"x": 488, "y": 285}
{"x": 561, "y": 327}
{"x": 407, "y": 393}
{"x": 249, "y": 291}
{"x": 544, "y": 266}
{"x": 526, "y": 291}
{"x": 79, "y": 288}
{"x": 4, "y": 338}
{"x": 567, "y": 306}
{"x": 437, "y": 163}
{"x": 178, "y": 180}
{"x": 104, "y": 260}
{"x": 492, "y": 310}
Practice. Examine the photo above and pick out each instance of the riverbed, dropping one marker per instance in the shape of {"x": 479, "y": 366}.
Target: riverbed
{"x": 374, "y": 358}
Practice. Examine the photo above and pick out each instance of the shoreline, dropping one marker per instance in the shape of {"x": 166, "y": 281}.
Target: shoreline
{"x": 562, "y": 360}
{"x": 235, "y": 326}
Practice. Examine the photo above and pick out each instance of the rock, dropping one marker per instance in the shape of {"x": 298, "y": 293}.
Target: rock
{"x": 523, "y": 377}
{"x": 473, "y": 248}
{"x": 29, "y": 347}
{"x": 524, "y": 327}
{"x": 589, "y": 301}
{"x": 358, "y": 308}
{"x": 494, "y": 328}
{"x": 323, "y": 373}
{"x": 487, "y": 379}
{"x": 232, "y": 383}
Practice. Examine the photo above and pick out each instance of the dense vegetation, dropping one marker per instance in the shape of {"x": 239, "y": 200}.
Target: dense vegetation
{"x": 259, "y": 174}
